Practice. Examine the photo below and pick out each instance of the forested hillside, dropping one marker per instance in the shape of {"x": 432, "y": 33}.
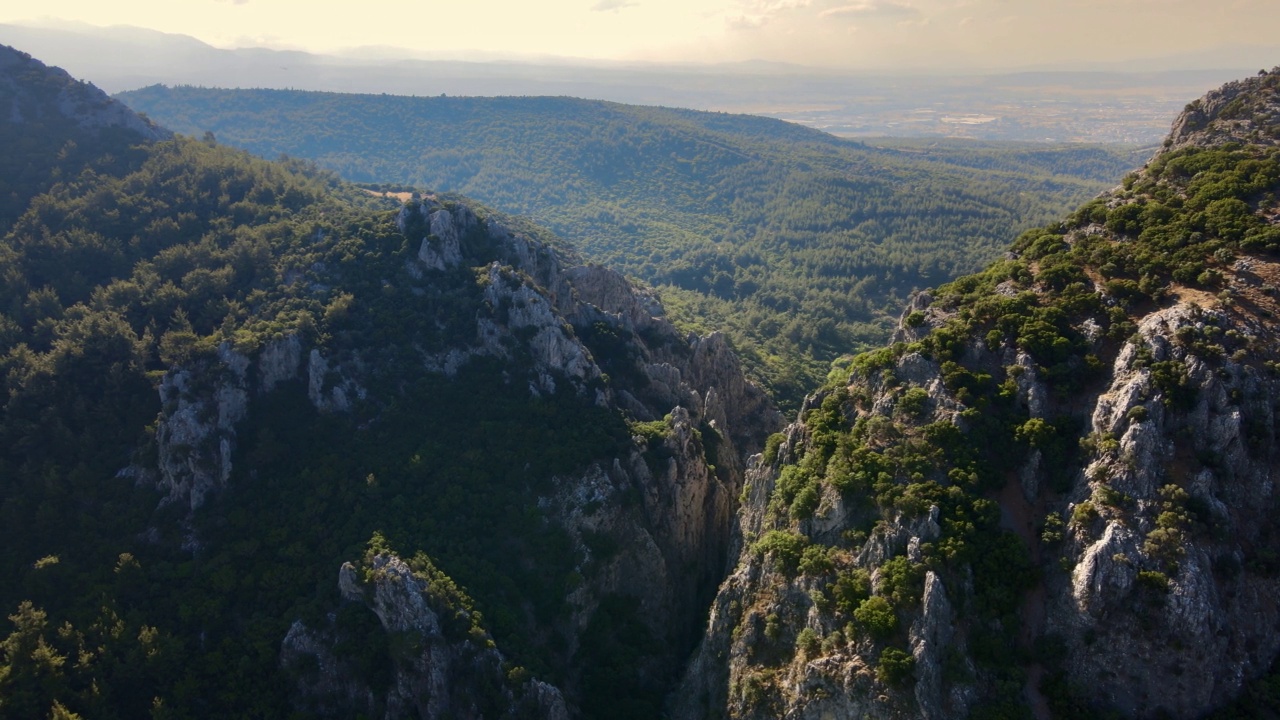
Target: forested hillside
{"x": 271, "y": 446}
{"x": 67, "y": 115}
{"x": 801, "y": 245}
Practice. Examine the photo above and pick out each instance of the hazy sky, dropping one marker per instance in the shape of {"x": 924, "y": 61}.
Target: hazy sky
{"x": 843, "y": 33}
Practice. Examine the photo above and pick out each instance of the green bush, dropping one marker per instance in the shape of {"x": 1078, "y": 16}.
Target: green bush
{"x": 816, "y": 560}
{"x": 806, "y": 501}
{"x": 771, "y": 445}
{"x": 850, "y": 589}
{"x": 877, "y": 616}
{"x": 808, "y": 643}
{"x": 896, "y": 667}
{"x": 1153, "y": 580}
{"x": 912, "y": 402}
{"x": 784, "y": 547}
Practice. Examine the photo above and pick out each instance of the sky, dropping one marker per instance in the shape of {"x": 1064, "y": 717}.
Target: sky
{"x": 845, "y": 34}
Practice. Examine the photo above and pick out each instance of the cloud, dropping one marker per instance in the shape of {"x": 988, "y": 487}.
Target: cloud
{"x": 601, "y": 6}
{"x": 773, "y": 6}
{"x": 870, "y": 9}
{"x": 757, "y": 13}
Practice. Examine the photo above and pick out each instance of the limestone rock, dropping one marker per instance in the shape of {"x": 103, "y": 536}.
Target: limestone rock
{"x": 438, "y": 677}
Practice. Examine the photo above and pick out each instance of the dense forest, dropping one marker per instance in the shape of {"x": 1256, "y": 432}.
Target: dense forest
{"x": 802, "y": 246}
{"x": 140, "y": 264}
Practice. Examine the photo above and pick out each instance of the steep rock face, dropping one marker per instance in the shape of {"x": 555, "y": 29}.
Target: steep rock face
{"x": 670, "y": 550}
{"x": 1195, "y": 476}
{"x": 753, "y": 662}
{"x": 557, "y": 327}
{"x": 201, "y": 405}
{"x": 1072, "y": 466}
{"x": 1245, "y": 111}
{"x": 438, "y": 673}
{"x": 1159, "y": 609}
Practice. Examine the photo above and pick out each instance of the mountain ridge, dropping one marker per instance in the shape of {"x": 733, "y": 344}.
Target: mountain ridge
{"x": 1051, "y": 496}
{"x": 797, "y": 244}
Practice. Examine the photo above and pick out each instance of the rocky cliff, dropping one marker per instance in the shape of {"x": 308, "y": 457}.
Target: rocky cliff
{"x": 1053, "y": 496}
{"x": 650, "y": 525}
{"x": 444, "y": 663}
{"x": 223, "y": 376}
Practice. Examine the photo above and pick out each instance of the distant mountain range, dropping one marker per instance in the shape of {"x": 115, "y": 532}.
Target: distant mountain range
{"x": 1105, "y": 103}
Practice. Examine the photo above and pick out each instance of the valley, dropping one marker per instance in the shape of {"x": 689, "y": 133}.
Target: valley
{"x": 555, "y": 408}
{"x": 798, "y": 245}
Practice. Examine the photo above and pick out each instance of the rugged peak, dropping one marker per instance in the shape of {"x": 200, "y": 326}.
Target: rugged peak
{"x": 1053, "y": 493}
{"x": 1244, "y": 111}
{"x": 447, "y": 656}
{"x": 31, "y": 91}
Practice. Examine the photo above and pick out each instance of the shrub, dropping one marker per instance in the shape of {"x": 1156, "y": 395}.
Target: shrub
{"x": 877, "y": 616}
{"x": 808, "y": 643}
{"x": 895, "y": 667}
{"x": 1052, "y": 533}
{"x": 851, "y": 589}
{"x": 1083, "y": 515}
{"x": 832, "y": 642}
{"x": 913, "y": 401}
{"x": 805, "y": 503}
{"x": 1153, "y": 580}
{"x": 784, "y": 546}
{"x": 771, "y": 446}
{"x": 901, "y": 582}
{"x": 815, "y": 560}
{"x": 772, "y": 627}
{"x": 1035, "y": 432}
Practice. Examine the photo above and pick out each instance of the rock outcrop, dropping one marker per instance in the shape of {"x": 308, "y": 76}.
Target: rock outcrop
{"x": 442, "y": 667}
{"x": 1178, "y": 492}
{"x": 1110, "y": 437}
{"x": 201, "y": 405}
{"x": 1245, "y": 111}
{"x": 667, "y": 503}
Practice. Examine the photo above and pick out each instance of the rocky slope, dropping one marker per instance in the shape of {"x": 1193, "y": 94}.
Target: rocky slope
{"x": 445, "y": 662}
{"x": 223, "y": 376}
{"x": 1054, "y": 496}
{"x": 540, "y": 315}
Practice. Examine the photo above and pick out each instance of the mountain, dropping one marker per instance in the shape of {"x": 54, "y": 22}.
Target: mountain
{"x": 1054, "y": 494}
{"x": 56, "y": 114}
{"x": 273, "y": 445}
{"x": 800, "y": 245}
